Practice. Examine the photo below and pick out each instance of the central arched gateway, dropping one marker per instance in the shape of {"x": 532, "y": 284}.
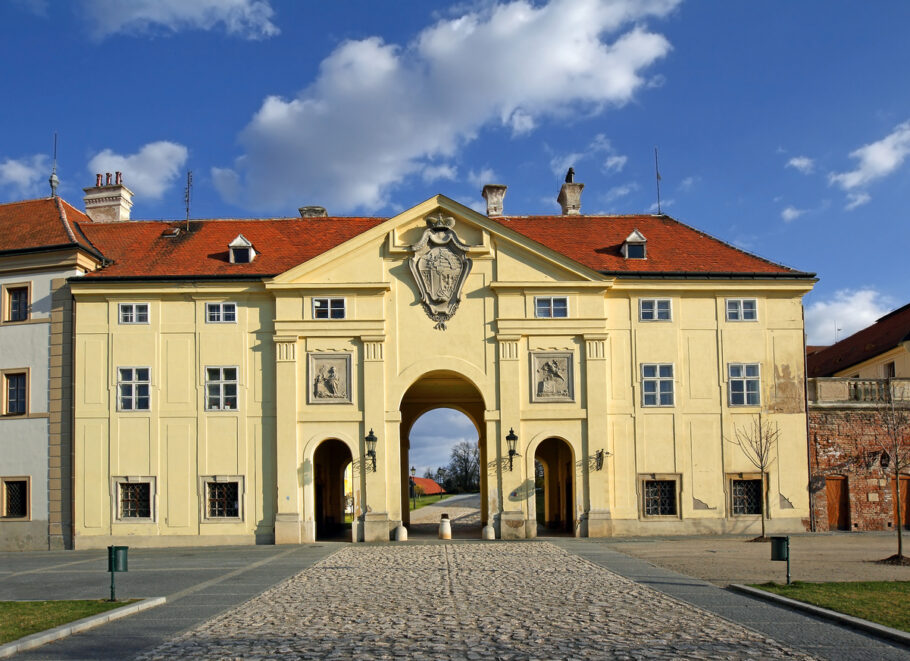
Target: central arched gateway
{"x": 442, "y": 389}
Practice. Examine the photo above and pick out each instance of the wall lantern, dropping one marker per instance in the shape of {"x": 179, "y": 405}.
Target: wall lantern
{"x": 598, "y": 460}
{"x": 512, "y": 440}
{"x": 371, "y": 447}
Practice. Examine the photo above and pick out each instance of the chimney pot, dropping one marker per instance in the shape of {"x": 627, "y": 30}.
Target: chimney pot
{"x": 118, "y": 178}
{"x": 98, "y": 179}
{"x": 107, "y": 177}
{"x": 313, "y": 212}
{"x": 494, "y": 194}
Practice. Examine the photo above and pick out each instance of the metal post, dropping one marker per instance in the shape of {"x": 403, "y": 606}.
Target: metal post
{"x": 113, "y": 598}
{"x": 788, "y": 559}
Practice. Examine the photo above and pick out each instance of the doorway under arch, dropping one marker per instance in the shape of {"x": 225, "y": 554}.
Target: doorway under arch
{"x": 330, "y": 462}
{"x": 554, "y": 482}
{"x": 442, "y": 390}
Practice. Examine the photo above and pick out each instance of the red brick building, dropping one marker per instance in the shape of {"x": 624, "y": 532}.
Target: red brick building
{"x": 851, "y": 384}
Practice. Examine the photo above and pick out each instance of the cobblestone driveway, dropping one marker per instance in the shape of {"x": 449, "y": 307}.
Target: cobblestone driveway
{"x": 474, "y": 601}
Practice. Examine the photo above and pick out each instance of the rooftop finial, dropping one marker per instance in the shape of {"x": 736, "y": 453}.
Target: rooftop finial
{"x": 570, "y": 176}
{"x": 53, "y": 180}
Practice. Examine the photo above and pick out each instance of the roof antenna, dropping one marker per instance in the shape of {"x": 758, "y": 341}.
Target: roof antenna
{"x": 186, "y": 196}
{"x": 657, "y": 173}
{"x": 53, "y": 180}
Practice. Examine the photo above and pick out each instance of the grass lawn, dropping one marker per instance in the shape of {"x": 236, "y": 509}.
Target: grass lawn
{"x": 883, "y": 602}
{"x": 423, "y": 501}
{"x": 23, "y": 618}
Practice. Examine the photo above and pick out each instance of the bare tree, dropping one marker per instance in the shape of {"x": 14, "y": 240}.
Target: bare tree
{"x": 895, "y": 444}
{"x": 758, "y": 441}
{"x": 464, "y": 466}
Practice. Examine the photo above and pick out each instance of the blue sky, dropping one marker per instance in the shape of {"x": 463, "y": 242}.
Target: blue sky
{"x": 783, "y": 127}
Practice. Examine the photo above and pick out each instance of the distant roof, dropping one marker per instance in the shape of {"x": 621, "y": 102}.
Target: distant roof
{"x": 42, "y": 224}
{"x": 430, "y": 487}
{"x": 885, "y": 334}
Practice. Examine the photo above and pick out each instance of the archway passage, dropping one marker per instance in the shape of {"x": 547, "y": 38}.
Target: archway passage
{"x": 448, "y": 390}
{"x": 329, "y": 463}
{"x": 554, "y": 471}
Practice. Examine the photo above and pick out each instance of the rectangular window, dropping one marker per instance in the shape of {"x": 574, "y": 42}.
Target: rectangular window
{"x": 222, "y": 500}
{"x": 657, "y": 384}
{"x": 135, "y": 500}
{"x": 889, "y": 370}
{"x": 328, "y": 308}
{"x": 14, "y": 501}
{"x": 15, "y": 392}
{"x": 221, "y": 313}
{"x": 742, "y": 309}
{"x": 134, "y": 313}
{"x": 547, "y": 307}
{"x": 745, "y": 496}
{"x": 17, "y": 303}
{"x": 133, "y": 385}
{"x": 654, "y": 309}
{"x": 659, "y": 497}
{"x": 745, "y": 384}
{"x": 221, "y": 388}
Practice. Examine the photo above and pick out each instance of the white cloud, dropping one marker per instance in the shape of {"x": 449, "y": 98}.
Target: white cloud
{"x": 876, "y": 160}
{"x": 664, "y": 204}
{"x": 802, "y": 163}
{"x": 791, "y": 213}
{"x": 377, "y": 112}
{"x": 849, "y": 310}
{"x": 433, "y": 173}
{"x": 856, "y": 200}
{"x": 687, "y": 183}
{"x": 618, "y": 192}
{"x": 148, "y": 172}
{"x": 23, "y": 176}
{"x": 249, "y": 19}
{"x": 615, "y": 163}
{"x": 482, "y": 177}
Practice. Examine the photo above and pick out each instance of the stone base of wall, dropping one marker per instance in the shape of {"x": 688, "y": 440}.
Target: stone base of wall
{"x": 23, "y": 536}
{"x": 167, "y": 541}
{"x": 731, "y": 526}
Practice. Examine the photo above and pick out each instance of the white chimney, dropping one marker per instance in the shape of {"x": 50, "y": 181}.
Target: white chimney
{"x": 107, "y": 201}
{"x": 494, "y": 195}
{"x": 570, "y": 198}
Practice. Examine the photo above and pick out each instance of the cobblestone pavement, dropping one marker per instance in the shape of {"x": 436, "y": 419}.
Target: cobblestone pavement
{"x": 527, "y": 600}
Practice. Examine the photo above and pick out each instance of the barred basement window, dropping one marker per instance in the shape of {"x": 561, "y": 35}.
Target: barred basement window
{"x": 659, "y": 497}
{"x": 223, "y": 500}
{"x": 14, "y": 498}
{"x": 135, "y": 500}
{"x": 745, "y": 496}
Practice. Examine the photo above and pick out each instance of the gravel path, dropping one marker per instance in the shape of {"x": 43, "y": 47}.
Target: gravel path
{"x": 466, "y": 601}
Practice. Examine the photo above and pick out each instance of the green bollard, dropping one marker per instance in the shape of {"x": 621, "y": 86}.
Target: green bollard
{"x": 116, "y": 562}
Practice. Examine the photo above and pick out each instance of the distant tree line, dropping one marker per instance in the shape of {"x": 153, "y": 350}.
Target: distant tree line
{"x": 462, "y": 474}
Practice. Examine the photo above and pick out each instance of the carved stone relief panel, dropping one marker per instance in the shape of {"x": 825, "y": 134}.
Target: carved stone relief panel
{"x": 552, "y": 377}
{"x": 329, "y": 378}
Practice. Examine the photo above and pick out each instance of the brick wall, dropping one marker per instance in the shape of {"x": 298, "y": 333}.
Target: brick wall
{"x": 843, "y": 442}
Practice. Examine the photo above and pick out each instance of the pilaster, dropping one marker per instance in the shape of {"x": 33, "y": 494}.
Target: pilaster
{"x": 595, "y": 480}
{"x": 513, "y": 507}
{"x": 288, "y": 518}
{"x": 376, "y": 520}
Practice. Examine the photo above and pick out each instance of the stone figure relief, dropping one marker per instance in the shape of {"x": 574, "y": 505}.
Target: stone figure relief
{"x": 330, "y": 378}
{"x": 552, "y": 377}
{"x": 440, "y": 266}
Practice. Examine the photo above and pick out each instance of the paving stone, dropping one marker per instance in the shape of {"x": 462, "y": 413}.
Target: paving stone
{"x": 475, "y": 601}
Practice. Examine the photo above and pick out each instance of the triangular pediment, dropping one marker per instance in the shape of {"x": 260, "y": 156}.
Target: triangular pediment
{"x": 521, "y": 258}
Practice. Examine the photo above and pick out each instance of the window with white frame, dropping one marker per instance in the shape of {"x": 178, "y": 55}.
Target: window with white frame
{"x": 223, "y": 497}
{"x": 657, "y": 384}
{"x": 221, "y": 313}
{"x": 133, "y": 385}
{"x": 221, "y": 388}
{"x": 745, "y": 495}
{"x": 14, "y": 498}
{"x": 654, "y": 309}
{"x": 546, "y": 307}
{"x": 329, "y": 308}
{"x": 134, "y": 498}
{"x": 659, "y": 495}
{"x": 744, "y": 381}
{"x": 742, "y": 309}
{"x": 134, "y": 313}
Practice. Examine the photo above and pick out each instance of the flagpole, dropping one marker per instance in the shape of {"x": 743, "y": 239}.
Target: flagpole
{"x": 657, "y": 174}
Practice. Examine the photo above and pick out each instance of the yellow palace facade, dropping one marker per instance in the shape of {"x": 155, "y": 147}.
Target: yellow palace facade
{"x": 227, "y": 372}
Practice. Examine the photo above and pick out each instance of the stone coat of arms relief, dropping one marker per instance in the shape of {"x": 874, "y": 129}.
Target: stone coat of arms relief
{"x": 552, "y": 378}
{"x": 440, "y": 267}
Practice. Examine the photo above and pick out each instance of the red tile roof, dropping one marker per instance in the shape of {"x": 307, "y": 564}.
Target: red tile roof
{"x": 429, "y": 487}
{"x": 885, "y": 334}
{"x": 44, "y": 223}
{"x": 140, "y": 249}
{"x": 596, "y": 242}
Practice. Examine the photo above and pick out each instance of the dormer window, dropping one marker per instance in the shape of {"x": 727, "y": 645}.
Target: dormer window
{"x": 241, "y": 250}
{"x": 634, "y": 247}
